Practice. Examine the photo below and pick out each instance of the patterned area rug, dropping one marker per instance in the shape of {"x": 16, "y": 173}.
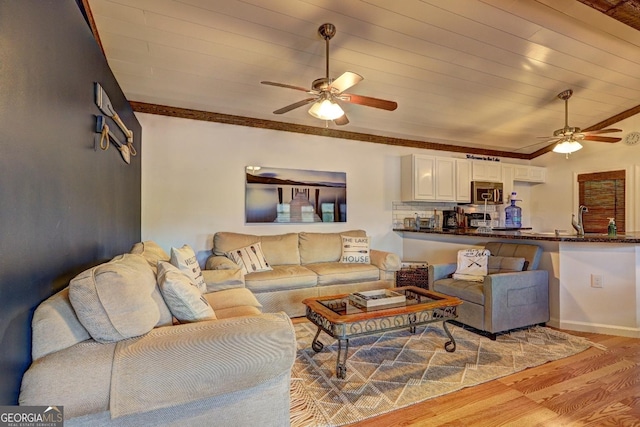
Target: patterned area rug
{"x": 396, "y": 369}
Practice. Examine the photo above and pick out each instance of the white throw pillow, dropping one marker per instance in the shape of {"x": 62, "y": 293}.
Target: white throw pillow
{"x": 185, "y": 301}
{"x": 472, "y": 264}
{"x": 355, "y": 250}
{"x": 186, "y": 261}
{"x": 250, "y": 258}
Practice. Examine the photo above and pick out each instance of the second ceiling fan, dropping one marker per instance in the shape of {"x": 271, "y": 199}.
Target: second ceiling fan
{"x": 568, "y": 138}
{"x": 328, "y": 93}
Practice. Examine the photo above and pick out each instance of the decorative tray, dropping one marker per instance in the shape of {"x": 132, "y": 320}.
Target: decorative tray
{"x": 376, "y": 298}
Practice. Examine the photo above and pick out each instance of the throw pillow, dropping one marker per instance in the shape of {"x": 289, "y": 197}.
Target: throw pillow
{"x": 472, "y": 264}
{"x": 185, "y": 259}
{"x": 118, "y": 299}
{"x": 250, "y": 258}
{"x": 355, "y": 250}
{"x": 186, "y": 302}
{"x": 504, "y": 264}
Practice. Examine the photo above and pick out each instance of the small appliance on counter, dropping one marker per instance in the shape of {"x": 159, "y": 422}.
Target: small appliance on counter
{"x": 449, "y": 220}
{"x": 477, "y": 219}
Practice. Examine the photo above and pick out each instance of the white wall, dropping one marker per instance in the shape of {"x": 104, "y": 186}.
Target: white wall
{"x": 193, "y": 180}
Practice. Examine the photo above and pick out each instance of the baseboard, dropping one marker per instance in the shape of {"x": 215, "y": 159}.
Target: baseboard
{"x": 595, "y": 328}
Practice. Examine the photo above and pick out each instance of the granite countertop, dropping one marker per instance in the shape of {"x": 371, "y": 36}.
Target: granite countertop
{"x": 531, "y": 235}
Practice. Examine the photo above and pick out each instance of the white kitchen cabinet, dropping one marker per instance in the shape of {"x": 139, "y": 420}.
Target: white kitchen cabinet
{"x": 527, "y": 173}
{"x": 435, "y": 179}
{"x": 445, "y": 179}
{"x": 486, "y": 171}
{"x": 418, "y": 178}
{"x": 463, "y": 181}
{"x": 507, "y": 182}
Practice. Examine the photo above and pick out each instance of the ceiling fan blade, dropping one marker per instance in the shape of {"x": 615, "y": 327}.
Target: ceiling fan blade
{"x": 294, "y": 106}
{"x": 369, "y": 101}
{"x": 594, "y": 132}
{"x": 601, "y": 138}
{"x": 342, "y": 120}
{"x": 285, "y": 85}
{"x": 345, "y": 81}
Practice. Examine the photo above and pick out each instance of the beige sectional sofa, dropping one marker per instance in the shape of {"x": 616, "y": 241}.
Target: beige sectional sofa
{"x": 303, "y": 265}
{"x": 105, "y": 369}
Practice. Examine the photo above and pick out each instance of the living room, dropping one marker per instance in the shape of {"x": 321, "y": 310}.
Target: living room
{"x": 67, "y": 206}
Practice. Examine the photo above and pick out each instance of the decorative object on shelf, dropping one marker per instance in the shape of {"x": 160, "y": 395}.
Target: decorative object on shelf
{"x": 327, "y": 91}
{"x": 274, "y": 195}
{"x": 632, "y": 138}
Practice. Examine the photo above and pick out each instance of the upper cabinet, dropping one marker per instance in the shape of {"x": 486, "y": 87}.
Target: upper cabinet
{"x": 486, "y": 171}
{"x": 435, "y": 179}
{"x": 445, "y": 179}
{"x": 418, "y": 178}
{"x": 528, "y": 173}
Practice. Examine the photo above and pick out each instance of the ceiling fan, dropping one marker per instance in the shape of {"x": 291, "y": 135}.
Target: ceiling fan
{"x": 568, "y": 138}
{"x": 327, "y": 92}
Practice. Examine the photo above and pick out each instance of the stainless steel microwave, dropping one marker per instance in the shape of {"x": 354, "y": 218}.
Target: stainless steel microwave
{"x": 492, "y": 192}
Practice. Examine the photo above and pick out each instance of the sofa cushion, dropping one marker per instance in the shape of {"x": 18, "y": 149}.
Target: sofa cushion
{"x": 230, "y": 298}
{"x": 279, "y": 249}
{"x": 151, "y": 251}
{"x": 531, "y": 253}
{"x": 355, "y": 250}
{"x": 243, "y": 310}
{"x": 251, "y": 259}
{"x": 282, "y": 277}
{"x": 185, "y": 260}
{"x": 323, "y": 247}
{"x": 464, "y": 289}
{"x": 118, "y": 299}
{"x": 331, "y": 273}
{"x": 182, "y": 295}
{"x": 503, "y": 264}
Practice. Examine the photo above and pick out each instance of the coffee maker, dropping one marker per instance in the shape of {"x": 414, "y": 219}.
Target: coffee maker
{"x": 449, "y": 220}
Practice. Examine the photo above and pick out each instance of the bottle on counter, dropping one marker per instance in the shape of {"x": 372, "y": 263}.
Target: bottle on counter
{"x": 513, "y": 214}
{"x": 612, "y": 229}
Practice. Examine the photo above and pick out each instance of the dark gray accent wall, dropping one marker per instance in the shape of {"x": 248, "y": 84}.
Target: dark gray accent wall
{"x": 63, "y": 206}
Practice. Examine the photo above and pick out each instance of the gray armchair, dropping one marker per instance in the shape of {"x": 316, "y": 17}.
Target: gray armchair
{"x": 506, "y": 299}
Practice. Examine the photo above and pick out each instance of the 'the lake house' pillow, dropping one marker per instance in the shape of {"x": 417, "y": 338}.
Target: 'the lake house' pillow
{"x": 355, "y": 250}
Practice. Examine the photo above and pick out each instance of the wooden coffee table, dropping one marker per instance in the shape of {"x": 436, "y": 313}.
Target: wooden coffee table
{"x": 342, "y": 320}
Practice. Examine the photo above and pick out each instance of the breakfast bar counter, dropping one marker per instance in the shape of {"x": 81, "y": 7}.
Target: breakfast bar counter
{"x": 562, "y": 236}
{"x": 594, "y": 280}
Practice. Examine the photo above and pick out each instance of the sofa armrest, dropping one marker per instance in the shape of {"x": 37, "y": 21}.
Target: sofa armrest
{"x": 516, "y": 299}
{"x": 385, "y": 261}
{"x": 204, "y": 359}
{"x": 440, "y": 271}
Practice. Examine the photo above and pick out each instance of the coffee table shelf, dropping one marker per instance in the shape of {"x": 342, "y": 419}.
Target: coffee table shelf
{"x": 341, "y": 320}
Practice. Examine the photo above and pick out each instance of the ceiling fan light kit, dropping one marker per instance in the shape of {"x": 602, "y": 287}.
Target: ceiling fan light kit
{"x": 327, "y": 91}
{"x": 326, "y": 110}
{"x": 567, "y": 137}
{"x": 567, "y": 147}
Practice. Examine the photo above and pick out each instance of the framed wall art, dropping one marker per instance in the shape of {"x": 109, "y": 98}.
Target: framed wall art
{"x": 275, "y": 195}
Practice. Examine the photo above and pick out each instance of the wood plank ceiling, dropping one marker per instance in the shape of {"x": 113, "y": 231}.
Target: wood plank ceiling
{"x": 469, "y": 75}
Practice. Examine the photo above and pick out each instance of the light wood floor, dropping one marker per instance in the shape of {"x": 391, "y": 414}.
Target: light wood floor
{"x": 594, "y": 388}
